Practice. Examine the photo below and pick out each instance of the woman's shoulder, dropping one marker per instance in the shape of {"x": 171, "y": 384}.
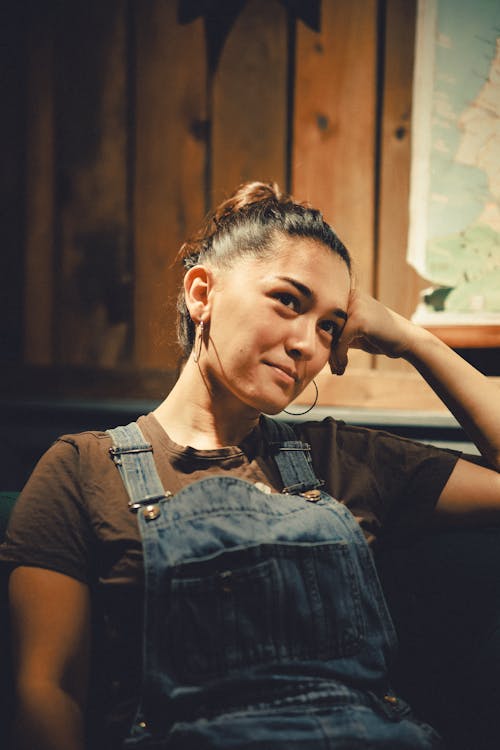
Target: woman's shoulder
{"x": 73, "y": 501}
{"x": 370, "y": 445}
{"x": 94, "y": 444}
{"x": 330, "y": 429}
{"x": 79, "y": 443}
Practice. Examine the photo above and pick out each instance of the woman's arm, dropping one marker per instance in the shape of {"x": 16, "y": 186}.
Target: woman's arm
{"x": 50, "y": 618}
{"x": 471, "y": 495}
{"x": 471, "y": 397}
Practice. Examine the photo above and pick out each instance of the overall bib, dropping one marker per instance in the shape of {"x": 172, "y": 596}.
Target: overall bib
{"x": 265, "y": 622}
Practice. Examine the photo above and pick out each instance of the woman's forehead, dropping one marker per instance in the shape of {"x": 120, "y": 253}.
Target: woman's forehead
{"x": 306, "y": 260}
{"x": 306, "y": 264}
{"x": 305, "y": 257}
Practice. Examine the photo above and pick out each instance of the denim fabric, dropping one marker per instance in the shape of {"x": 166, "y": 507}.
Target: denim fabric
{"x": 265, "y": 623}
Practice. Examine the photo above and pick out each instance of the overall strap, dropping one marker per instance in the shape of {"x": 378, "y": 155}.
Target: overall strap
{"x": 134, "y": 458}
{"x": 292, "y": 457}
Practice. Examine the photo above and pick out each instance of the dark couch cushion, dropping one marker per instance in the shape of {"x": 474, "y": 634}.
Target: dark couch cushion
{"x": 7, "y": 500}
{"x": 443, "y": 591}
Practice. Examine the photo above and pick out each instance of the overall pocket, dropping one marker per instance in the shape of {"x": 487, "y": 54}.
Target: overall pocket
{"x": 245, "y": 607}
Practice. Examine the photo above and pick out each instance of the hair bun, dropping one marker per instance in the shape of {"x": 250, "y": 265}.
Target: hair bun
{"x": 248, "y": 194}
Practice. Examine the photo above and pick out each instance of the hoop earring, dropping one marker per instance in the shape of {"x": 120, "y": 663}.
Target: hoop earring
{"x": 199, "y": 342}
{"x": 300, "y": 413}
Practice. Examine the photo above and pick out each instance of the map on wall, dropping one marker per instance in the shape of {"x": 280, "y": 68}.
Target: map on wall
{"x": 454, "y": 238}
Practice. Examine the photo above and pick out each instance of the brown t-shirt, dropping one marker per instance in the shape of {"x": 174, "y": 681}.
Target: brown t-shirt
{"x": 72, "y": 517}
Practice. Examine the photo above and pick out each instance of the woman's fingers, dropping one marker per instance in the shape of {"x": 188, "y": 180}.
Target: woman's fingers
{"x": 338, "y": 362}
{"x": 347, "y": 340}
{"x": 371, "y": 327}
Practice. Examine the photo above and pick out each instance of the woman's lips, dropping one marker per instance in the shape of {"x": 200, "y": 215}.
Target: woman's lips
{"x": 284, "y": 372}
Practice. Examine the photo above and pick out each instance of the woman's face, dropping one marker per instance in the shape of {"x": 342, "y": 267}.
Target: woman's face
{"x": 272, "y": 323}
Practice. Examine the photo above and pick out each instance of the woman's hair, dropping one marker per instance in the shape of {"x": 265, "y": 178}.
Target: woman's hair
{"x": 246, "y": 225}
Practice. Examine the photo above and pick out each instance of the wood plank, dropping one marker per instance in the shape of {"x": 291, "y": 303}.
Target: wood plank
{"x": 93, "y": 306}
{"x": 249, "y": 130}
{"x": 170, "y": 150}
{"x": 468, "y": 336}
{"x": 397, "y": 284}
{"x": 40, "y": 173}
{"x": 12, "y": 128}
{"x": 335, "y": 123}
{"x": 63, "y": 382}
{"x": 357, "y": 388}
{"x": 372, "y": 390}
{"x": 334, "y": 128}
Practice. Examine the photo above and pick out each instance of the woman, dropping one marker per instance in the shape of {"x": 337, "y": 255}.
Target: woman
{"x": 265, "y": 624}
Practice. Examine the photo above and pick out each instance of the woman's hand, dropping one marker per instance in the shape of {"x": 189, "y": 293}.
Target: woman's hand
{"x": 373, "y": 328}
{"x": 470, "y": 396}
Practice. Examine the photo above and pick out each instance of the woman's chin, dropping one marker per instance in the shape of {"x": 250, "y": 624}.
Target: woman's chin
{"x": 272, "y": 411}
{"x": 267, "y": 404}
{"x": 271, "y": 408}
{"x": 267, "y": 407}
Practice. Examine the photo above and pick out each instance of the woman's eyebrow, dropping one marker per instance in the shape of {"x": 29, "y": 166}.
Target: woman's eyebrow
{"x": 306, "y": 292}
{"x": 340, "y": 313}
{"x": 302, "y": 288}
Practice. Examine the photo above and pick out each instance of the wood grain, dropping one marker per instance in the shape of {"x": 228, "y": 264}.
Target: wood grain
{"x": 469, "y": 336}
{"x": 40, "y": 174}
{"x": 12, "y": 179}
{"x": 249, "y": 132}
{"x": 361, "y": 388}
{"x": 92, "y": 309}
{"x": 396, "y": 284}
{"x": 170, "y": 160}
{"x": 335, "y": 123}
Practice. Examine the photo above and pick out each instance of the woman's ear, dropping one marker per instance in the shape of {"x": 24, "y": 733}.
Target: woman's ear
{"x": 198, "y": 283}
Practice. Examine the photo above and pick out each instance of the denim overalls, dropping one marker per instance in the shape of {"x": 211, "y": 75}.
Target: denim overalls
{"x": 265, "y": 623}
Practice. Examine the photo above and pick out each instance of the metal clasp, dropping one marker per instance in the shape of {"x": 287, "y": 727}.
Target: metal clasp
{"x": 312, "y": 495}
{"x": 149, "y": 502}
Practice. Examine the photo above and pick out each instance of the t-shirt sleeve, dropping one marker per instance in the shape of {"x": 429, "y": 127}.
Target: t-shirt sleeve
{"x": 49, "y": 526}
{"x": 390, "y": 483}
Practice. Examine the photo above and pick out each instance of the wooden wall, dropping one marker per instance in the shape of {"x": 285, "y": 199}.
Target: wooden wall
{"x": 126, "y": 120}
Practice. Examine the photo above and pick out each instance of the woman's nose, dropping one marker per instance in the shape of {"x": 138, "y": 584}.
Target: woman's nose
{"x": 302, "y": 339}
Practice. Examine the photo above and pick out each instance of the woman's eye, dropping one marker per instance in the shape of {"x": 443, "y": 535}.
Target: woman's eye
{"x": 288, "y": 300}
{"x": 330, "y": 327}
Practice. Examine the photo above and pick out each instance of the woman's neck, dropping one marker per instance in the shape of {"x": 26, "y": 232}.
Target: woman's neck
{"x": 191, "y": 415}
